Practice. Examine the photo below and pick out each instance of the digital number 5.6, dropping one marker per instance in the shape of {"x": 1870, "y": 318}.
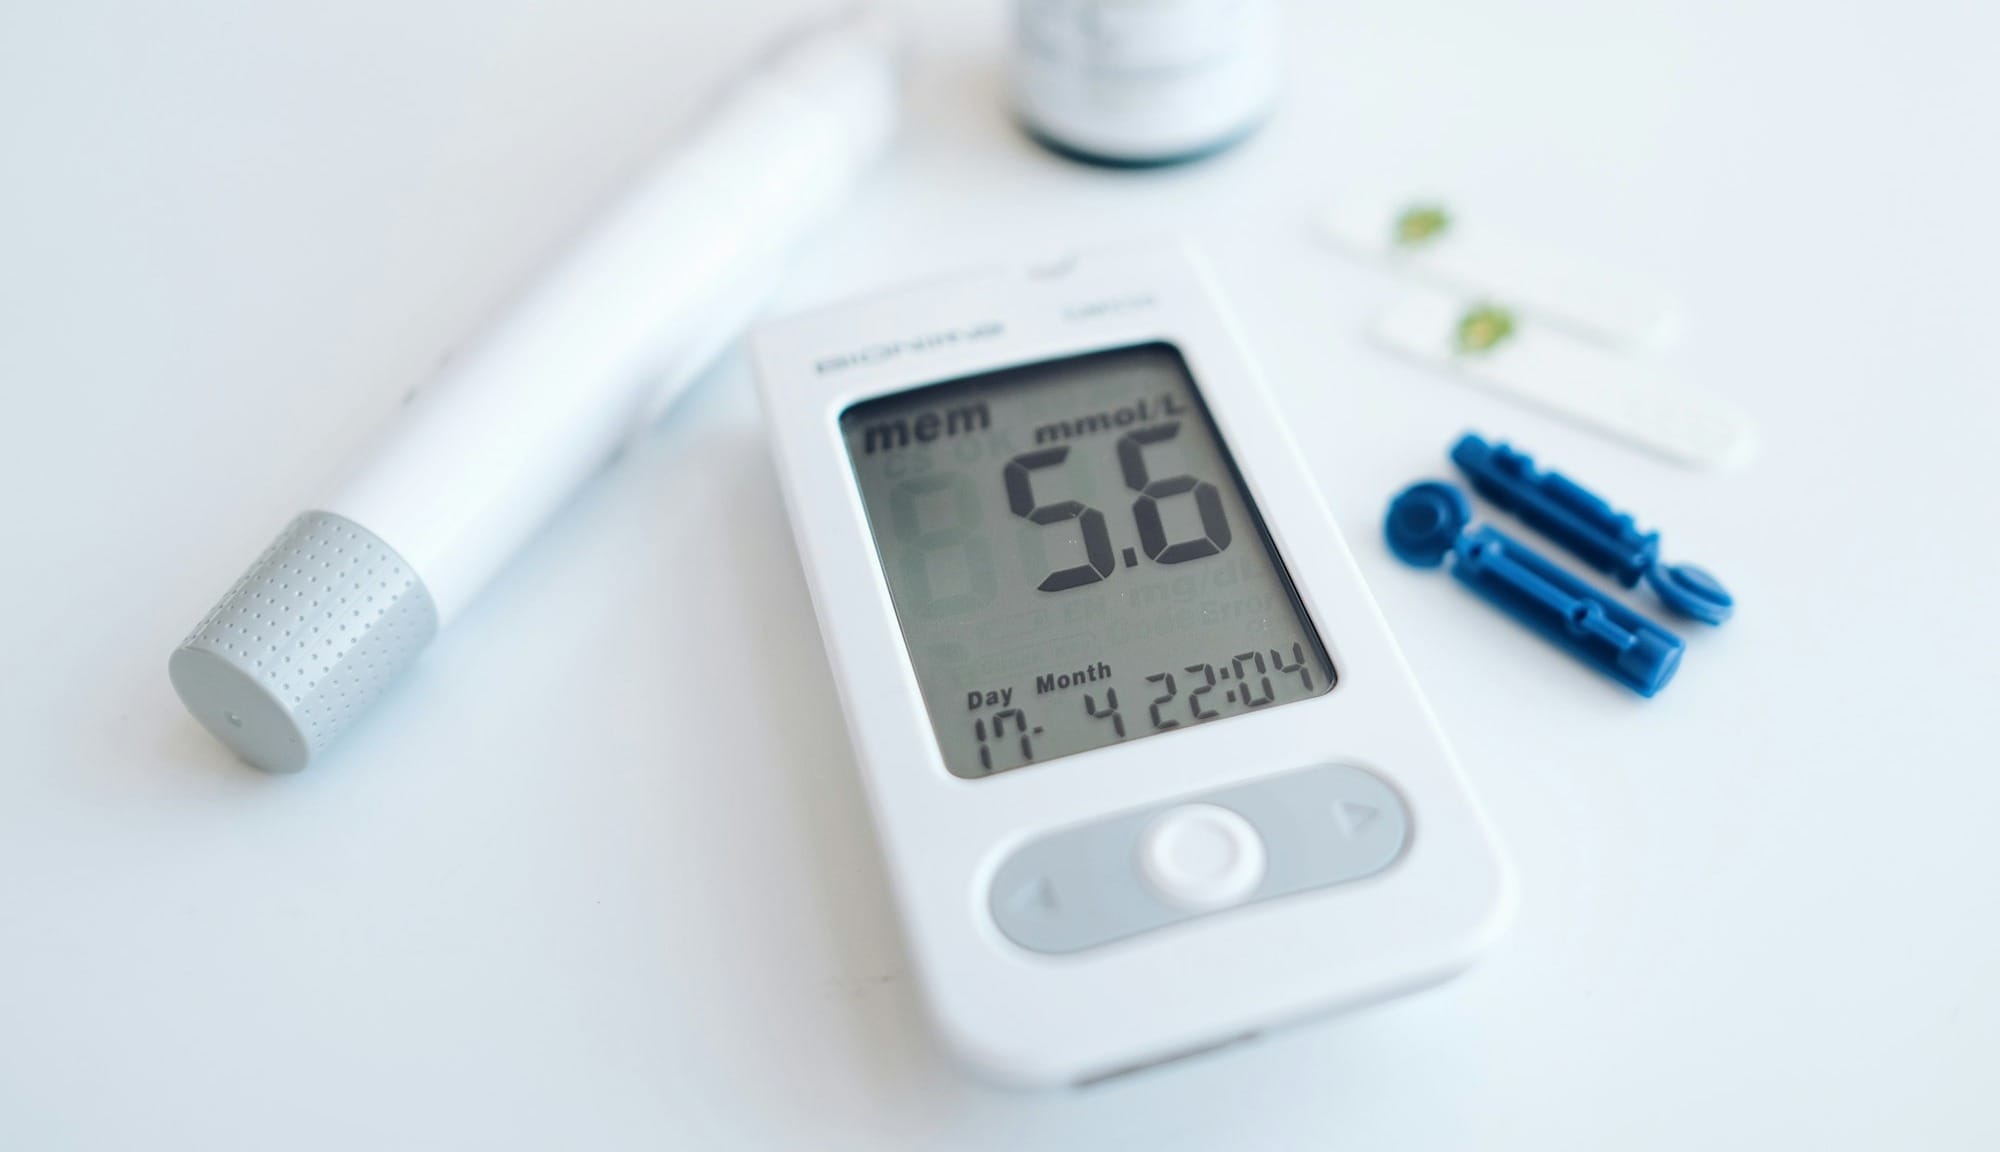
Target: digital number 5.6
{"x": 1131, "y": 449}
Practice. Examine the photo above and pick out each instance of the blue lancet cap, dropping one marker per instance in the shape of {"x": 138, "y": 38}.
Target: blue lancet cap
{"x": 1691, "y": 591}
{"x": 1425, "y": 520}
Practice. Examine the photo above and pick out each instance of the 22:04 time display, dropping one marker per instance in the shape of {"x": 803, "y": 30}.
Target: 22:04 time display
{"x": 991, "y": 730}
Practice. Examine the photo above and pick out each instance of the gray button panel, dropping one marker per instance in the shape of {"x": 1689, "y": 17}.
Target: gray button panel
{"x": 1081, "y": 887}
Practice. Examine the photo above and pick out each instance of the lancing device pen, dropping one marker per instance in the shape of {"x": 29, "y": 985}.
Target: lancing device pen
{"x": 353, "y": 589}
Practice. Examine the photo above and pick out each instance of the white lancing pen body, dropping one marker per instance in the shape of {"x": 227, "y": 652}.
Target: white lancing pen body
{"x": 481, "y": 457}
{"x": 485, "y": 453}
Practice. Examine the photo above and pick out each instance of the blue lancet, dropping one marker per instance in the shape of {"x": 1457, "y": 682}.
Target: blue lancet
{"x": 1429, "y": 521}
{"x": 1588, "y": 527}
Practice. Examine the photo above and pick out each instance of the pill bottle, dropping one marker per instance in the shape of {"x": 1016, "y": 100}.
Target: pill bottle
{"x": 1143, "y": 83}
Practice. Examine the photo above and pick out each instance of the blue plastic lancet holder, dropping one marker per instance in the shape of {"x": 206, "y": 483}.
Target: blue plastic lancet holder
{"x": 1428, "y": 521}
{"x": 1588, "y": 527}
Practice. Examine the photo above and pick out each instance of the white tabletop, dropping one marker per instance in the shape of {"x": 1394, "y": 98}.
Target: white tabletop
{"x": 599, "y": 875}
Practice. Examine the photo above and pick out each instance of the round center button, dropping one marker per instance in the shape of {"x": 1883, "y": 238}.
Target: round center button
{"x": 1201, "y": 857}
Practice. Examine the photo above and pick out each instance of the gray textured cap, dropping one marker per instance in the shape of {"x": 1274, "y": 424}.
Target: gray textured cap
{"x": 304, "y": 642}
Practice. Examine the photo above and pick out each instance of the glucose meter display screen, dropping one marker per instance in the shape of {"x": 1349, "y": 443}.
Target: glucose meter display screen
{"x": 1074, "y": 560}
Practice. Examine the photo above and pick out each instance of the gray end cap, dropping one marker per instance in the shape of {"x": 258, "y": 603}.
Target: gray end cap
{"x": 304, "y": 642}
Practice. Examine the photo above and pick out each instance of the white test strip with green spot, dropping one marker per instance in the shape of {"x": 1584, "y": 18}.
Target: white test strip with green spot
{"x": 1502, "y": 351}
{"x": 1432, "y": 241}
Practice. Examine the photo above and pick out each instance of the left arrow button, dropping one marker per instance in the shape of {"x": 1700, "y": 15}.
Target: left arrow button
{"x": 1037, "y": 897}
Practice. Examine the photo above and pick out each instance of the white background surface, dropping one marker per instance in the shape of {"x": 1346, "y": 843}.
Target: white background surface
{"x": 599, "y": 875}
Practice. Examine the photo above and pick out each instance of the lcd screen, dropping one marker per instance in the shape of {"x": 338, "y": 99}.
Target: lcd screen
{"x": 1074, "y": 559}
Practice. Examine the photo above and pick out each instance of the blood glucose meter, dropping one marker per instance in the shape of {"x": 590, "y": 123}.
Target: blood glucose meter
{"x": 1149, "y": 772}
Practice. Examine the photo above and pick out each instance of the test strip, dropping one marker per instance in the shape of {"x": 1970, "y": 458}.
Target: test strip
{"x": 1430, "y": 241}
{"x": 1490, "y": 347}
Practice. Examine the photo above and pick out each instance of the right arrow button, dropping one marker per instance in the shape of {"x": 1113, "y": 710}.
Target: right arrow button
{"x": 1360, "y": 826}
{"x": 1352, "y": 816}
